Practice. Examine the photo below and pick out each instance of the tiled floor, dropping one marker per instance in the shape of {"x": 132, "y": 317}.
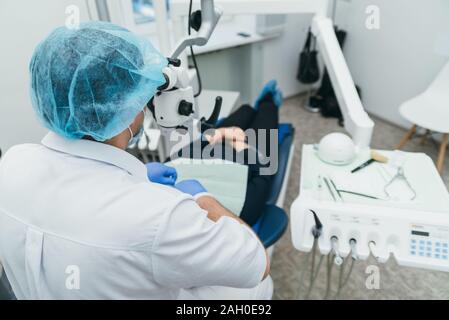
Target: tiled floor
{"x": 287, "y": 263}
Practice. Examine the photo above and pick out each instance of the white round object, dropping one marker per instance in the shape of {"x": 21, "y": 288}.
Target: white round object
{"x": 337, "y": 149}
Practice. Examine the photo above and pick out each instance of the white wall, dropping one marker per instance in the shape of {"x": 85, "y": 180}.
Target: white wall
{"x": 22, "y": 25}
{"x": 391, "y": 64}
{"x": 281, "y": 54}
{"x": 275, "y": 58}
{"x": 399, "y": 60}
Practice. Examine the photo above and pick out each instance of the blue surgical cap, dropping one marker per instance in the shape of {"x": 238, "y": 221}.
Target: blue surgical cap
{"x": 93, "y": 80}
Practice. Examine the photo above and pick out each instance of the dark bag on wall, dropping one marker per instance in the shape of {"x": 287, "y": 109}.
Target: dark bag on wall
{"x": 308, "y": 71}
{"x": 329, "y": 105}
{"x": 325, "y": 98}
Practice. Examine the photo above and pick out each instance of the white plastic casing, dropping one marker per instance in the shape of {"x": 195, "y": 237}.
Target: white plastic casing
{"x": 415, "y": 238}
{"x": 337, "y": 149}
{"x": 166, "y": 107}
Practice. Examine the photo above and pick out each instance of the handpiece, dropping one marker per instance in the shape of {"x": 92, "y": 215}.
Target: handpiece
{"x": 318, "y": 227}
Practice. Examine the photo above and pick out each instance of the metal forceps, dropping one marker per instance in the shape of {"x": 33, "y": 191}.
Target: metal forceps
{"x": 400, "y": 175}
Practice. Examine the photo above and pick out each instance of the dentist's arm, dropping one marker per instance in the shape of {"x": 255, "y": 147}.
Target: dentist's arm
{"x": 214, "y": 209}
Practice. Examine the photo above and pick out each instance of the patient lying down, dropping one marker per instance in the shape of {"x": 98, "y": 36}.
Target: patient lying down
{"x": 249, "y": 136}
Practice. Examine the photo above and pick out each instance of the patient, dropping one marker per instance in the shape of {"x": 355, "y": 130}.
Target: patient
{"x": 230, "y": 134}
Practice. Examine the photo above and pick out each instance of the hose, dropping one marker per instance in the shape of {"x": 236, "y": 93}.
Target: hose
{"x": 329, "y": 275}
{"x": 304, "y": 269}
{"x": 342, "y": 283}
{"x": 313, "y": 271}
{"x": 192, "y": 53}
{"x": 316, "y": 232}
{"x": 314, "y": 276}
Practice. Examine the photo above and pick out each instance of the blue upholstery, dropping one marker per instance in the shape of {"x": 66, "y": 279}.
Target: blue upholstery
{"x": 273, "y": 222}
{"x": 284, "y": 153}
{"x": 272, "y": 225}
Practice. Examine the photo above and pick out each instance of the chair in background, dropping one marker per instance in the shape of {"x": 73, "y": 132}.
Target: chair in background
{"x": 430, "y": 110}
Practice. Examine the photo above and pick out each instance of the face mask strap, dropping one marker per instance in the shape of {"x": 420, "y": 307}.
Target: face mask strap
{"x": 129, "y": 127}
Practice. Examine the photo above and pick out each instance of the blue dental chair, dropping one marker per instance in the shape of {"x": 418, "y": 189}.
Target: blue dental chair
{"x": 273, "y": 222}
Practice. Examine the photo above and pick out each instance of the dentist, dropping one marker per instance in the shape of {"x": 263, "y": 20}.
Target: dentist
{"x": 80, "y": 218}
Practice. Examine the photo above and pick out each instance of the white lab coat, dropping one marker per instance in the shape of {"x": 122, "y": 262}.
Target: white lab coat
{"x": 80, "y": 220}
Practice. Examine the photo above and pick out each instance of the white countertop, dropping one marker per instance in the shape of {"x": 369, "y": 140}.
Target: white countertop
{"x": 419, "y": 169}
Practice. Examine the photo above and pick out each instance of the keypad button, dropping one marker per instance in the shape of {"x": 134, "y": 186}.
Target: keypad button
{"x": 437, "y": 256}
{"x": 413, "y": 253}
{"x": 444, "y": 257}
{"x": 437, "y": 250}
{"x": 437, "y": 244}
{"x": 413, "y": 247}
{"x": 421, "y": 254}
{"x": 413, "y": 241}
{"x": 428, "y": 255}
{"x": 421, "y": 242}
{"x": 444, "y": 251}
{"x": 429, "y": 243}
{"x": 445, "y": 245}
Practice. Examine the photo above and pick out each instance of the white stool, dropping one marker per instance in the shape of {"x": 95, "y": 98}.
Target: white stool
{"x": 430, "y": 110}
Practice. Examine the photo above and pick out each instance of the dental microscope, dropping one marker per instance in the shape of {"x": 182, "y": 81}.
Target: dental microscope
{"x": 174, "y": 107}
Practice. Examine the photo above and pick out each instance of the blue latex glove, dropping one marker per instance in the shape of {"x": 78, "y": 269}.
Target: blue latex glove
{"x": 160, "y": 173}
{"x": 192, "y": 187}
{"x": 270, "y": 87}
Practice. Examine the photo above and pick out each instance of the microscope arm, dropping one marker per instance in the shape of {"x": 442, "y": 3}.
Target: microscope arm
{"x": 356, "y": 120}
{"x": 210, "y": 15}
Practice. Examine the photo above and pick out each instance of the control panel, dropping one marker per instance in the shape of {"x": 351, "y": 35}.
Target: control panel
{"x": 381, "y": 232}
{"x": 431, "y": 242}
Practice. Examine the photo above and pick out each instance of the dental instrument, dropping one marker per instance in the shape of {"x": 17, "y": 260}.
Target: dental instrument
{"x": 359, "y": 194}
{"x": 400, "y": 176}
{"x": 335, "y": 188}
{"x": 375, "y": 157}
{"x": 329, "y": 188}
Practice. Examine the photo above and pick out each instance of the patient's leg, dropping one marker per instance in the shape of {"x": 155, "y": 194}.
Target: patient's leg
{"x": 257, "y": 191}
{"x": 267, "y": 116}
{"x": 241, "y": 118}
{"x": 259, "y": 185}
